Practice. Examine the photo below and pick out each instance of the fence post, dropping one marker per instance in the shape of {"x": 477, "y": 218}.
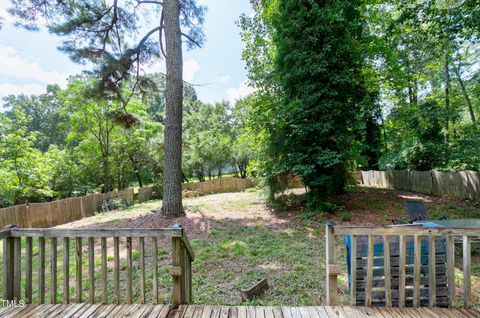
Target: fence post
{"x": 11, "y": 264}
{"x": 331, "y": 264}
{"x": 177, "y": 271}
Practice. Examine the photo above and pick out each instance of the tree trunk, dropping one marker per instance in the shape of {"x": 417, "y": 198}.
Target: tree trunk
{"x": 465, "y": 94}
{"x": 184, "y": 178}
{"x": 447, "y": 93}
{"x": 106, "y": 175}
{"x": 136, "y": 171}
{"x": 172, "y": 172}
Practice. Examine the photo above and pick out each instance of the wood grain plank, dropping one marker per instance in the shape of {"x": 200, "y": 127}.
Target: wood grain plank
{"x": 91, "y": 270}
{"x": 141, "y": 243}
{"x": 129, "y": 270}
{"x": 155, "y": 269}
{"x": 353, "y": 271}
{"x": 78, "y": 269}
{"x": 53, "y": 270}
{"x": 66, "y": 270}
{"x": 28, "y": 269}
{"x": 104, "y": 270}
{"x": 116, "y": 268}
{"x": 467, "y": 271}
{"x": 17, "y": 269}
{"x": 41, "y": 270}
{"x": 387, "y": 266}
{"x": 432, "y": 283}
{"x": 451, "y": 270}
{"x": 368, "y": 291}
{"x": 401, "y": 267}
{"x": 416, "y": 270}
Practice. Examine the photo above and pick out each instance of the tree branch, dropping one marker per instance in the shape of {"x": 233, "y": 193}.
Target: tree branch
{"x": 160, "y": 36}
{"x": 191, "y": 40}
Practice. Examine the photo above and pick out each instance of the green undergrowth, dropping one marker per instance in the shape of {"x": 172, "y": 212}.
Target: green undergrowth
{"x": 229, "y": 260}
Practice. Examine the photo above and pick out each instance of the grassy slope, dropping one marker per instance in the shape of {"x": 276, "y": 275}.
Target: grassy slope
{"x": 237, "y": 241}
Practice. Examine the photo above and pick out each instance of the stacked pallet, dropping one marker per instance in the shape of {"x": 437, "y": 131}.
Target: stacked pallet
{"x": 378, "y": 276}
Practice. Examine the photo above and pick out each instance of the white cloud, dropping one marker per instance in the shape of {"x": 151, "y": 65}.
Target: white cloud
{"x": 27, "y": 89}
{"x": 222, "y": 79}
{"x": 243, "y": 90}
{"x": 190, "y": 68}
{"x": 14, "y": 64}
{"x": 3, "y": 12}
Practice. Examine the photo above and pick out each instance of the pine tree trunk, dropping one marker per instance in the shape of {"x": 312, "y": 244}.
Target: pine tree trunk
{"x": 172, "y": 173}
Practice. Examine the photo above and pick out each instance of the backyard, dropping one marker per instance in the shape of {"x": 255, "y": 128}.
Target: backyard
{"x": 238, "y": 240}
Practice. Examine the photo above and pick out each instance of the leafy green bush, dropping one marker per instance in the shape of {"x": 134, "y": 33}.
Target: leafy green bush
{"x": 345, "y": 216}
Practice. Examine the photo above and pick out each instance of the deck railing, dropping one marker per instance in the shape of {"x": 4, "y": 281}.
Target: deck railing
{"x": 21, "y": 254}
{"x": 400, "y": 266}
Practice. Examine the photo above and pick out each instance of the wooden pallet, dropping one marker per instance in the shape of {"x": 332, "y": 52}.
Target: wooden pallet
{"x": 378, "y": 278}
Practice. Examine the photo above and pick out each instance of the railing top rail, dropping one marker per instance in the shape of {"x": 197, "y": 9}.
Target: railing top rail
{"x": 114, "y": 232}
{"x": 188, "y": 247}
{"x": 404, "y": 230}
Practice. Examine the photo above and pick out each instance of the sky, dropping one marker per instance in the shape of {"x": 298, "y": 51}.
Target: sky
{"x": 30, "y": 60}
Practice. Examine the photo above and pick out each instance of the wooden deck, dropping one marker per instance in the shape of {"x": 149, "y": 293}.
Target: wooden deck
{"x": 194, "y": 311}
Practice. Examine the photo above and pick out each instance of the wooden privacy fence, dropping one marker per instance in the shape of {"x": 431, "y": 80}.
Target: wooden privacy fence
{"x": 414, "y": 266}
{"x": 221, "y": 185}
{"x": 458, "y": 185}
{"x": 59, "y": 212}
{"x": 19, "y": 259}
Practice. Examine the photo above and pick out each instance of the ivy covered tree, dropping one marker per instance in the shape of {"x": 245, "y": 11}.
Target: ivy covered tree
{"x": 106, "y": 33}
{"x": 313, "y": 91}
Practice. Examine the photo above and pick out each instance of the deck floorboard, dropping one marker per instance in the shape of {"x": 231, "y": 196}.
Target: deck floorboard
{"x": 198, "y": 311}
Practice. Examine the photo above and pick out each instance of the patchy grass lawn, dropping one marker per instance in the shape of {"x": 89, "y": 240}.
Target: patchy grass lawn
{"x": 238, "y": 240}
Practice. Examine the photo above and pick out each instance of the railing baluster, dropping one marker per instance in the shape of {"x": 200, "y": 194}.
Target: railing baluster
{"x": 53, "y": 271}
{"x": 17, "y": 268}
{"x": 41, "y": 270}
{"x": 104, "y": 270}
{"x": 176, "y": 271}
{"x": 91, "y": 270}
{"x": 451, "y": 270}
{"x": 48, "y": 278}
{"x": 432, "y": 278}
{"x": 386, "y": 265}
{"x": 141, "y": 242}
{"x": 66, "y": 270}
{"x": 416, "y": 270}
{"x": 467, "y": 287}
{"x": 368, "y": 292}
{"x": 129, "y": 270}
{"x": 116, "y": 266}
{"x": 331, "y": 264}
{"x": 185, "y": 274}
{"x": 155, "y": 269}
{"x": 78, "y": 268}
{"x": 189, "y": 277}
{"x": 353, "y": 271}
{"x": 28, "y": 270}
{"x": 8, "y": 252}
{"x": 401, "y": 267}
